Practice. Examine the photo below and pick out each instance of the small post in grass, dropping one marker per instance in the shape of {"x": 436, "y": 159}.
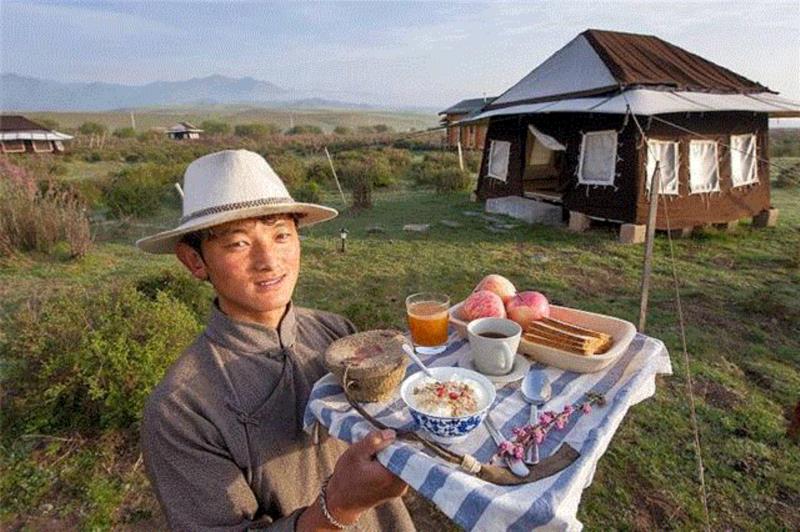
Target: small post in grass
{"x": 655, "y": 188}
{"x": 343, "y": 238}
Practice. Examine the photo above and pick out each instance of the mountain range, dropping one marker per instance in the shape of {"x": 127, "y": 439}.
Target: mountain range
{"x": 23, "y": 93}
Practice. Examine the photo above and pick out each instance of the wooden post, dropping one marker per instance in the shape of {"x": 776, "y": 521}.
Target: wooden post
{"x": 335, "y": 177}
{"x": 655, "y": 188}
{"x": 460, "y": 156}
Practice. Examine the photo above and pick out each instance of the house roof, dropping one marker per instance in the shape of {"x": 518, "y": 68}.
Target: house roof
{"x": 467, "y": 106}
{"x": 184, "y": 127}
{"x": 19, "y": 123}
{"x": 17, "y": 127}
{"x": 598, "y": 62}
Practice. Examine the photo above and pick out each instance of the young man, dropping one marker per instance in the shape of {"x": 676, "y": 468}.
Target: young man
{"x": 222, "y": 433}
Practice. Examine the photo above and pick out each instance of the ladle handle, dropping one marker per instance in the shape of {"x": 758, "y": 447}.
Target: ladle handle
{"x": 413, "y": 356}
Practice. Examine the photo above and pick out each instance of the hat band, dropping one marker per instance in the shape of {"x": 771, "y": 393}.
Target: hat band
{"x": 235, "y": 207}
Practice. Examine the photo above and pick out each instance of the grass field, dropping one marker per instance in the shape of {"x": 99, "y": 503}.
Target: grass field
{"x": 741, "y": 299}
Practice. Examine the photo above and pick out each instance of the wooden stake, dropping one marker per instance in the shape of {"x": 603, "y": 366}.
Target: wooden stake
{"x": 655, "y": 187}
{"x": 460, "y": 156}
{"x": 335, "y": 177}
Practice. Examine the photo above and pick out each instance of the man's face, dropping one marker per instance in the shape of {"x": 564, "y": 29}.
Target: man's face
{"x": 253, "y": 265}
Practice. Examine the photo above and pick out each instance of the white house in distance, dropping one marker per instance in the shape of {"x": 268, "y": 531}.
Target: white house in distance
{"x": 20, "y": 135}
{"x": 184, "y": 130}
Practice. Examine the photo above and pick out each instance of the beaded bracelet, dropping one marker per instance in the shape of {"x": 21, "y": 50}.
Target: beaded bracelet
{"x": 323, "y": 504}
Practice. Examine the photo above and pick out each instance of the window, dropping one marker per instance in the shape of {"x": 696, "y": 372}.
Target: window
{"x": 42, "y": 146}
{"x": 703, "y": 166}
{"x": 744, "y": 167}
{"x": 13, "y": 146}
{"x": 598, "y": 160}
{"x": 666, "y": 152}
{"x": 498, "y": 159}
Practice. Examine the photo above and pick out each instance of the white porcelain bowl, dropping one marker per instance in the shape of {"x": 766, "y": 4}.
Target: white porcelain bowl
{"x": 445, "y": 427}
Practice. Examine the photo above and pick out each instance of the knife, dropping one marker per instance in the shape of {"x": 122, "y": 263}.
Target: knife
{"x": 514, "y": 464}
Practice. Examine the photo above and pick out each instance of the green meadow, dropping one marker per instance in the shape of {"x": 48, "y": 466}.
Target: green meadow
{"x": 740, "y": 292}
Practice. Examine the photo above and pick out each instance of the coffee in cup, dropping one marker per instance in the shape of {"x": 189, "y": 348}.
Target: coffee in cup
{"x": 494, "y": 343}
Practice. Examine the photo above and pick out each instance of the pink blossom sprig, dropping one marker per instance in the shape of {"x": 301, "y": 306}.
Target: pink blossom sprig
{"x": 527, "y": 435}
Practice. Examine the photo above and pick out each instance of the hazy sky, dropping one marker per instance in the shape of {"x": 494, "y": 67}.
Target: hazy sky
{"x": 422, "y": 53}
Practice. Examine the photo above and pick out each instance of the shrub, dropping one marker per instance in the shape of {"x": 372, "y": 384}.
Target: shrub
{"x": 451, "y": 180}
{"x": 92, "y": 156}
{"x": 255, "y": 131}
{"x": 181, "y": 287}
{"x": 788, "y": 176}
{"x": 309, "y": 192}
{"x": 304, "y": 130}
{"x": 87, "y": 361}
{"x": 381, "y": 128}
{"x": 425, "y": 172}
{"x": 124, "y": 133}
{"x": 342, "y": 130}
{"x": 150, "y": 136}
{"x": 39, "y": 217}
{"x": 92, "y": 128}
{"x": 215, "y": 127}
{"x": 290, "y": 169}
{"x": 140, "y": 190}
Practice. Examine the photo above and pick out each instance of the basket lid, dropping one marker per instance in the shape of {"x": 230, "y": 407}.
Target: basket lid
{"x": 366, "y": 354}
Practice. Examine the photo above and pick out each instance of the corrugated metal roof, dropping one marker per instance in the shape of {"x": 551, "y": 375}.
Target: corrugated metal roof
{"x": 19, "y": 123}
{"x": 467, "y": 106}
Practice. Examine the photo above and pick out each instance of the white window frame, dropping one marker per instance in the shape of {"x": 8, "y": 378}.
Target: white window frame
{"x": 608, "y": 180}
{"x": 650, "y": 165}
{"x": 496, "y": 146}
{"x": 736, "y": 155}
{"x": 48, "y": 149}
{"x": 8, "y": 149}
{"x": 693, "y": 169}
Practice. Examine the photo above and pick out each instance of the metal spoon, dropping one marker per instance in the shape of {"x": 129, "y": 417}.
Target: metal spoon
{"x": 514, "y": 464}
{"x": 536, "y": 390}
{"x": 413, "y": 356}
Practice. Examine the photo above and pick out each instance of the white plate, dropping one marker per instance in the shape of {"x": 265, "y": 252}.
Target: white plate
{"x": 621, "y": 331}
{"x": 518, "y": 370}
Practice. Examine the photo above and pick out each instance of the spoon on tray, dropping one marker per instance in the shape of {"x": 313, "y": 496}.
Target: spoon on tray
{"x": 536, "y": 390}
{"x": 413, "y": 356}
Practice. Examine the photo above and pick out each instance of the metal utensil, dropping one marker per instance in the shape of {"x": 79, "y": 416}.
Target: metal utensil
{"x": 536, "y": 390}
{"x": 413, "y": 356}
{"x": 514, "y": 464}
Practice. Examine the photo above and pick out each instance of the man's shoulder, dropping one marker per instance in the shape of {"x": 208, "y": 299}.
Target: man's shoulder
{"x": 330, "y": 321}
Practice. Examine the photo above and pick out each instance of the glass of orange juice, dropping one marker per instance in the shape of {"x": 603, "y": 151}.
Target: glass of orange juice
{"x": 427, "y": 321}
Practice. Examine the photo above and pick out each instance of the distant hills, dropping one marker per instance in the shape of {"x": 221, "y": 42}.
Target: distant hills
{"x": 22, "y": 93}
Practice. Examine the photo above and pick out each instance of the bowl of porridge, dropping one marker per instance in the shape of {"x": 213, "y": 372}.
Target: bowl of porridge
{"x": 451, "y": 405}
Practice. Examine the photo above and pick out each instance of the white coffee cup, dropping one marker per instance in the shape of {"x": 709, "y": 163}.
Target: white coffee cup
{"x": 494, "y": 356}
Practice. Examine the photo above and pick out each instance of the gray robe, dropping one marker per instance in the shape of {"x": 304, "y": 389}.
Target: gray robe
{"x": 222, "y": 433}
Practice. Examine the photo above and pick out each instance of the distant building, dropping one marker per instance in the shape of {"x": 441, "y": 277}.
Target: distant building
{"x": 20, "y": 135}
{"x": 184, "y": 130}
{"x": 472, "y": 135}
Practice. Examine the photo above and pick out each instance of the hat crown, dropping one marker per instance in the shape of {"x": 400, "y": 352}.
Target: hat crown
{"x": 230, "y": 177}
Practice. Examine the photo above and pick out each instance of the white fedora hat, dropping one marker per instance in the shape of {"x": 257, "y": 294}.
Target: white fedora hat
{"x": 231, "y": 185}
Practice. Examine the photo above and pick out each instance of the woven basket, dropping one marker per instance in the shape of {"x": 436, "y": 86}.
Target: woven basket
{"x": 370, "y": 364}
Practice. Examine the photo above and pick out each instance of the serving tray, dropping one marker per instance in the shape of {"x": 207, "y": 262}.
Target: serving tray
{"x": 620, "y": 330}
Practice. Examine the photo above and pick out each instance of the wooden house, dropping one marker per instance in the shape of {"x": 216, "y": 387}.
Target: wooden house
{"x": 569, "y": 133}
{"x": 21, "y": 135}
{"x": 472, "y": 135}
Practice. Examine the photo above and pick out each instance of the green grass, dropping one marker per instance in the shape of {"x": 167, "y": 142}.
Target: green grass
{"x": 741, "y": 301}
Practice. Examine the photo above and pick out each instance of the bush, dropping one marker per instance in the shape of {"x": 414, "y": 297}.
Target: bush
{"x": 309, "y": 192}
{"x": 215, "y": 127}
{"x": 381, "y": 128}
{"x": 255, "y": 131}
{"x": 788, "y": 176}
{"x": 140, "y": 190}
{"x": 124, "y": 133}
{"x": 39, "y": 217}
{"x": 87, "y": 361}
{"x": 342, "y": 130}
{"x": 93, "y": 156}
{"x": 451, "y": 180}
{"x": 92, "y": 128}
{"x": 304, "y": 130}
{"x": 150, "y": 136}
{"x": 290, "y": 169}
{"x": 425, "y": 172}
{"x": 181, "y": 287}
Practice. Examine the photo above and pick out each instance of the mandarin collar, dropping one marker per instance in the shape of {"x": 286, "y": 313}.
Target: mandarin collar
{"x": 247, "y": 337}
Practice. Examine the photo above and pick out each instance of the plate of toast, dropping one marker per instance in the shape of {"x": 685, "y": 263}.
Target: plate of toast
{"x": 569, "y": 339}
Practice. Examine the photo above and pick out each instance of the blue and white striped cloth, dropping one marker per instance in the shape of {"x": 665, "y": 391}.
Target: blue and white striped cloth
{"x": 474, "y": 504}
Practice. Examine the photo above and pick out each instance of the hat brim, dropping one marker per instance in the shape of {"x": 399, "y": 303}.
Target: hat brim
{"x": 165, "y": 242}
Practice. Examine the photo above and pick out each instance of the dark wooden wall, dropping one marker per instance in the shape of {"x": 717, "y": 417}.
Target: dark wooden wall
{"x": 626, "y": 201}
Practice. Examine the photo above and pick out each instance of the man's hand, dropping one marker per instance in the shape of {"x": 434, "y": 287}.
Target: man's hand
{"x": 359, "y": 481}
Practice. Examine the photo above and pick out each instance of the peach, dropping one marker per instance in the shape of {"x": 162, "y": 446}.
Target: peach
{"x": 483, "y": 304}
{"x": 526, "y": 307}
{"x": 499, "y": 285}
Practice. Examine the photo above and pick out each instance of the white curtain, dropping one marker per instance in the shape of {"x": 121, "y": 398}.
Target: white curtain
{"x": 703, "y": 166}
{"x": 667, "y": 154}
{"x": 598, "y": 159}
{"x": 743, "y": 160}
{"x": 499, "y": 151}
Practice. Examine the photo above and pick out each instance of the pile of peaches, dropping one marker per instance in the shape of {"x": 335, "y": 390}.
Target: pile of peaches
{"x": 496, "y": 297}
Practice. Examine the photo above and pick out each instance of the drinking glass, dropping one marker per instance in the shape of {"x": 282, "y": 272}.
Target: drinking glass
{"x": 427, "y": 321}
